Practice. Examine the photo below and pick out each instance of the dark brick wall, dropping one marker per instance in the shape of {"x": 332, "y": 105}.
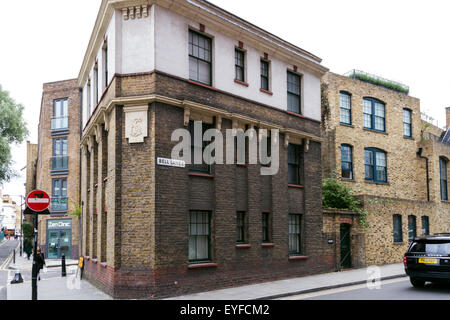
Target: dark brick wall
{"x": 156, "y": 265}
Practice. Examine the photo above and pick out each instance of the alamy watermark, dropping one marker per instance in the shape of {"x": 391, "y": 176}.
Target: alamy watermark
{"x": 374, "y": 278}
{"x": 263, "y": 147}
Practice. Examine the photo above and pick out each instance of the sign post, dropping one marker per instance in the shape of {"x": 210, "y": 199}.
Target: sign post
{"x": 37, "y": 201}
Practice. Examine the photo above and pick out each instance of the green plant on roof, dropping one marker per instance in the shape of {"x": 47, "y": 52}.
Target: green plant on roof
{"x": 379, "y": 82}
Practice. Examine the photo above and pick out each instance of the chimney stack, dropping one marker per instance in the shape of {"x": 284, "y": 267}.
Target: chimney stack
{"x": 447, "y": 116}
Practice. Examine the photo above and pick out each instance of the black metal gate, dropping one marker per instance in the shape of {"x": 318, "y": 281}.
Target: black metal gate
{"x": 346, "y": 255}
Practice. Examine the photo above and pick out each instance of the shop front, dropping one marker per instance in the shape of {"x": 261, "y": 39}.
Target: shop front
{"x": 59, "y": 238}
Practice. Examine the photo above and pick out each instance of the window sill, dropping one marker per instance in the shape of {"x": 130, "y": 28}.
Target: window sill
{"x": 408, "y": 138}
{"x": 293, "y": 258}
{"x": 202, "y": 265}
{"x": 347, "y": 125}
{"x": 204, "y": 175}
{"x": 295, "y": 186}
{"x": 266, "y": 91}
{"x": 296, "y": 114}
{"x": 61, "y": 172}
{"x": 445, "y": 201}
{"x": 202, "y": 85}
{"x": 399, "y": 243}
{"x": 376, "y": 131}
{"x": 60, "y": 132}
{"x": 245, "y": 84}
{"x": 348, "y": 180}
{"x": 380, "y": 183}
{"x": 267, "y": 245}
{"x": 243, "y": 246}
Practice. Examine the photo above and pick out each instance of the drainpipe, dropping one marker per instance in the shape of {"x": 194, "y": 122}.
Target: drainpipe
{"x": 419, "y": 153}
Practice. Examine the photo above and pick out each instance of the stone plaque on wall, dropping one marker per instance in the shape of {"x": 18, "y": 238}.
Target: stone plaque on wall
{"x": 136, "y": 123}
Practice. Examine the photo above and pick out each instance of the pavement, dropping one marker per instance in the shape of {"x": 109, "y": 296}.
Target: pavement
{"x": 296, "y": 286}
{"x": 52, "y": 285}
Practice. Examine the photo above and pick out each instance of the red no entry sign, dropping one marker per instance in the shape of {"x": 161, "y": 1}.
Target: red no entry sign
{"x": 38, "y": 200}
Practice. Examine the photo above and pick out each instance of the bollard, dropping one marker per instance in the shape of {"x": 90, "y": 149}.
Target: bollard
{"x": 14, "y": 256}
{"x": 63, "y": 263}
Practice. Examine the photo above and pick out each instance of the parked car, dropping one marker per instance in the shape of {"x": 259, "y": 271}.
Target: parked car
{"x": 428, "y": 259}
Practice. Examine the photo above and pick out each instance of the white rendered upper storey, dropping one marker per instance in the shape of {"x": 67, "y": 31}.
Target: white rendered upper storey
{"x": 143, "y": 36}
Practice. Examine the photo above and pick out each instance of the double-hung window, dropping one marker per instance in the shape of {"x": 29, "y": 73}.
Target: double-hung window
{"x": 425, "y": 225}
{"x": 60, "y": 159}
{"x": 60, "y": 118}
{"x": 295, "y": 234}
{"x": 443, "y": 178}
{"x": 347, "y": 161}
{"x": 264, "y": 75}
{"x": 346, "y": 108}
{"x": 95, "y": 84}
{"x": 375, "y": 165}
{"x": 407, "y": 123}
{"x": 241, "y": 227}
{"x": 239, "y": 65}
{"x": 59, "y": 195}
{"x": 198, "y": 146}
{"x": 200, "y": 58}
{"x": 412, "y": 227}
{"x": 199, "y": 236}
{"x": 293, "y": 92}
{"x": 294, "y": 164}
{"x": 374, "y": 115}
{"x": 266, "y": 227}
{"x": 105, "y": 65}
{"x": 398, "y": 236}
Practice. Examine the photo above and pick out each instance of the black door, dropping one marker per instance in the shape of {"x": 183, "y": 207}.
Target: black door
{"x": 346, "y": 256}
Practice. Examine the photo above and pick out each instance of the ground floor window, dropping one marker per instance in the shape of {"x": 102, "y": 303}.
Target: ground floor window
{"x": 59, "y": 238}
{"x": 265, "y": 227}
{"x": 412, "y": 227}
{"x": 241, "y": 227}
{"x": 199, "y": 236}
{"x": 294, "y": 234}
{"x": 425, "y": 225}
{"x": 398, "y": 228}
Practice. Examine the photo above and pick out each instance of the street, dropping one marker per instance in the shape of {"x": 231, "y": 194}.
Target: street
{"x": 396, "y": 289}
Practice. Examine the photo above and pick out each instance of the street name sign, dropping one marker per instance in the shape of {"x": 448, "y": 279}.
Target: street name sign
{"x": 171, "y": 163}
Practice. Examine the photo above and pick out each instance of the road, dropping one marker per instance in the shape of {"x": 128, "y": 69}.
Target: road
{"x": 395, "y": 289}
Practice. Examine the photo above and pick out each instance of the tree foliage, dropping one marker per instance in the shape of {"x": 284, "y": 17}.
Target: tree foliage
{"x": 336, "y": 195}
{"x": 12, "y": 130}
{"x": 27, "y": 230}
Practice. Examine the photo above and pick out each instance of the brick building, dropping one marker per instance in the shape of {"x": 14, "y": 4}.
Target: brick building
{"x": 152, "y": 231}
{"x": 375, "y": 139}
{"x": 57, "y": 167}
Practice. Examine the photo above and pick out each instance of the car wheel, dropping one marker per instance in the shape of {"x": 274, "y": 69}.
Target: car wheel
{"x": 417, "y": 283}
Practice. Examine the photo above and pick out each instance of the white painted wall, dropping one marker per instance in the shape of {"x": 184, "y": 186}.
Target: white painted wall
{"x": 137, "y": 45}
{"x": 9, "y": 216}
{"x": 160, "y": 41}
{"x": 171, "y": 56}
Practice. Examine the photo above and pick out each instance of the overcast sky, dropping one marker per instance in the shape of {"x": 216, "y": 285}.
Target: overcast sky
{"x": 402, "y": 40}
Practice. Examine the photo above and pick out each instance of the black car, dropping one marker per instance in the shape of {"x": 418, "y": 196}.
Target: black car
{"x": 428, "y": 259}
